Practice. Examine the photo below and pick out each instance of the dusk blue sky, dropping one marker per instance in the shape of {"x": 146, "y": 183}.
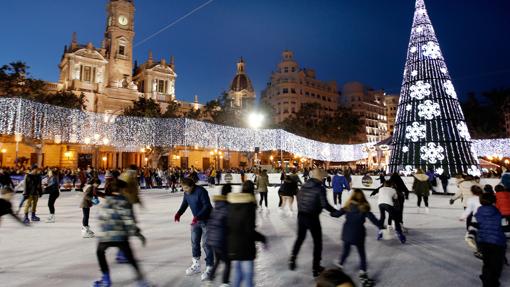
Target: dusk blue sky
{"x": 343, "y": 40}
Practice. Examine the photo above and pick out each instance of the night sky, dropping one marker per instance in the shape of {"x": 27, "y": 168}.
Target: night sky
{"x": 343, "y": 40}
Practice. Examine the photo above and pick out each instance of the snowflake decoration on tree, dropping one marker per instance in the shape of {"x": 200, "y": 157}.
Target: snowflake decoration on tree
{"x": 439, "y": 170}
{"x": 463, "y": 130}
{"x": 405, "y": 149}
{"x": 431, "y": 50}
{"x": 413, "y": 49}
{"x": 419, "y": 29}
{"x": 449, "y": 89}
{"x": 408, "y": 170}
{"x": 415, "y": 132}
{"x": 428, "y": 110}
{"x": 420, "y": 90}
{"x": 443, "y": 70}
{"x": 432, "y": 153}
{"x": 414, "y": 73}
{"x": 409, "y": 107}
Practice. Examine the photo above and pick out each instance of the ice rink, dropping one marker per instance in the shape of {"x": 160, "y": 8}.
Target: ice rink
{"x": 54, "y": 254}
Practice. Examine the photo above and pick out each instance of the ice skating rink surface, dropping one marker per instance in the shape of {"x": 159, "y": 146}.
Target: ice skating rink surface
{"x": 54, "y": 254}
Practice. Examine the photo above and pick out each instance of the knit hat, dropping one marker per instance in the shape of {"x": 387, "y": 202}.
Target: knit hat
{"x": 505, "y": 180}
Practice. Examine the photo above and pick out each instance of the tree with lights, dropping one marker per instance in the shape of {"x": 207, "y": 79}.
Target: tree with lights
{"x": 430, "y": 130}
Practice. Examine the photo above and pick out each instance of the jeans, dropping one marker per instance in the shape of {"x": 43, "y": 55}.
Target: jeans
{"x": 126, "y": 250}
{"x": 199, "y": 233}
{"x": 493, "y": 259}
{"x": 361, "y": 251}
{"x": 263, "y": 198}
{"x": 31, "y": 203}
{"x": 383, "y": 208}
{"x": 221, "y": 256}
{"x": 425, "y": 199}
{"x": 51, "y": 201}
{"x": 309, "y": 222}
{"x": 85, "y": 219}
{"x": 243, "y": 273}
{"x": 337, "y": 196}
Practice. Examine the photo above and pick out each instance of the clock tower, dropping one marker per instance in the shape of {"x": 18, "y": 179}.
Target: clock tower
{"x": 118, "y": 42}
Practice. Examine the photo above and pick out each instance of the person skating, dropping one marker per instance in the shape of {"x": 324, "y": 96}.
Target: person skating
{"x": 262, "y": 184}
{"x": 89, "y": 192}
{"x": 402, "y": 196}
{"x": 386, "y": 197}
{"x": 491, "y": 240}
{"x": 503, "y": 201}
{"x": 53, "y": 191}
{"x": 7, "y": 193}
{"x": 339, "y": 184}
{"x": 422, "y": 187}
{"x": 464, "y": 192}
{"x": 357, "y": 210}
{"x": 197, "y": 198}
{"x": 217, "y": 233}
{"x": 472, "y": 207}
{"x": 242, "y": 235}
{"x": 312, "y": 200}
{"x": 32, "y": 192}
{"x": 117, "y": 224}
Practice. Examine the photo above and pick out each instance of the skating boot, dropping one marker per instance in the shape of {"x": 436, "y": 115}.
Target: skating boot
{"x": 207, "y": 273}
{"x": 317, "y": 271}
{"x": 401, "y": 237}
{"x": 104, "y": 281}
{"x": 121, "y": 258}
{"x": 51, "y": 219}
{"x": 364, "y": 280}
{"x": 86, "y": 232}
{"x": 292, "y": 262}
{"x": 26, "y": 220}
{"x": 194, "y": 268}
{"x": 34, "y": 217}
{"x": 427, "y": 210}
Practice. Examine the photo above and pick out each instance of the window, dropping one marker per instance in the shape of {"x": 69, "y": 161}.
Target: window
{"x": 122, "y": 50}
{"x": 285, "y": 90}
{"x": 307, "y": 94}
{"x": 87, "y": 74}
{"x": 293, "y": 110}
{"x": 293, "y": 69}
{"x": 292, "y": 91}
{"x": 161, "y": 86}
{"x": 286, "y": 69}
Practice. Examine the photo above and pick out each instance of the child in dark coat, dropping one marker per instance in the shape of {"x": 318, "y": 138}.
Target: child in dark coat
{"x": 357, "y": 210}
{"x": 491, "y": 240}
{"x": 217, "y": 233}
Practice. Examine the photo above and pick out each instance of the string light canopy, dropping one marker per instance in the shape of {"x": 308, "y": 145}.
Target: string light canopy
{"x": 430, "y": 130}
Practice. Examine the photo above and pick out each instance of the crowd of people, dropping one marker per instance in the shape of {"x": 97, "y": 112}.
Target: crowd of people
{"x": 227, "y": 231}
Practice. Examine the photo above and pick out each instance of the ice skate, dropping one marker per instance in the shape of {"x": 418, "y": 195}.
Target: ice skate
{"x": 427, "y": 210}
{"x": 26, "y": 220}
{"x": 401, "y": 237}
{"x": 207, "y": 273}
{"x": 103, "y": 282}
{"x": 292, "y": 263}
{"x": 86, "y": 232}
{"x": 51, "y": 219}
{"x": 365, "y": 280}
{"x": 194, "y": 268}
{"x": 317, "y": 271}
{"x": 35, "y": 218}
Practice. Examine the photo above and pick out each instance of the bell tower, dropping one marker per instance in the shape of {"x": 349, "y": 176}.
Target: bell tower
{"x": 118, "y": 42}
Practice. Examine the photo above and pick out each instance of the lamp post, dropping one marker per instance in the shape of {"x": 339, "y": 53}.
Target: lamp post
{"x": 255, "y": 121}
{"x": 216, "y": 154}
{"x": 17, "y": 138}
{"x": 96, "y": 141}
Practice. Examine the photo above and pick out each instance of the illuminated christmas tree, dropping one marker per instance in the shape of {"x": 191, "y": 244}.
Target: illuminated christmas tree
{"x": 430, "y": 130}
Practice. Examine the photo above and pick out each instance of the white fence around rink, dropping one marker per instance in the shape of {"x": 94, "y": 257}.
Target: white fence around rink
{"x": 41, "y": 121}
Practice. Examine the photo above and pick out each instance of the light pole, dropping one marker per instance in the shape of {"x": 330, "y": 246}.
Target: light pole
{"x": 17, "y": 138}
{"x": 255, "y": 121}
{"x": 96, "y": 141}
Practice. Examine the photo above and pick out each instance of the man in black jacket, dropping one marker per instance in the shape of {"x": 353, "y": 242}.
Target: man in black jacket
{"x": 311, "y": 200}
{"x": 33, "y": 190}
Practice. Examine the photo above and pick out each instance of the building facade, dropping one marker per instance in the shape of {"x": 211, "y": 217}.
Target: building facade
{"x": 506, "y": 113}
{"x": 391, "y": 101}
{"x": 370, "y": 106}
{"x": 241, "y": 94}
{"x": 107, "y": 75}
{"x": 291, "y": 86}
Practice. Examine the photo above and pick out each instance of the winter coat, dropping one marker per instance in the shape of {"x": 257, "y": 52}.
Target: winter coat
{"x": 311, "y": 198}
{"x": 199, "y": 202}
{"x": 295, "y": 178}
{"x": 464, "y": 191}
{"x": 53, "y": 186}
{"x": 489, "y": 226}
{"x": 88, "y": 193}
{"x": 117, "y": 220}
{"x": 5, "y": 180}
{"x": 421, "y": 185}
{"x": 217, "y": 224}
{"x": 400, "y": 186}
{"x": 5, "y": 207}
{"x": 241, "y": 227}
{"x": 339, "y": 183}
{"x": 288, "y": 188}
{"x": 503, "y": 202}
{"x": 354, "y": 231}
{"x": 33, "y": 185}
{"x": 262, "y": 183}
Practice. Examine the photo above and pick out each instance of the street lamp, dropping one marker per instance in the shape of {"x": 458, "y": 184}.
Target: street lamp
{"x": 256, "y": 121}
{"x": 104, "y": 161}
{"x": 68, "y": 154}
{"x": 216, "y": 154}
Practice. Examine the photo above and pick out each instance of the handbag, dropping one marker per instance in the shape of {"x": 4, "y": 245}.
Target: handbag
{"x": 95, "y": 200}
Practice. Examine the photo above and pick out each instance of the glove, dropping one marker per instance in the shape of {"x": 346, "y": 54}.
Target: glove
{"x": 194, "y": 221}
{"x": 451, "y": 201}
{"x": 177, "y": 217}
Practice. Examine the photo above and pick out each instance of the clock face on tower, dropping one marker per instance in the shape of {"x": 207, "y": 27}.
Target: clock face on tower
{"x": 123, "y": 20}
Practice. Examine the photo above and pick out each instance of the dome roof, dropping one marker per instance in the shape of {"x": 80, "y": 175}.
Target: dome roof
{"x": 241, "y": 82}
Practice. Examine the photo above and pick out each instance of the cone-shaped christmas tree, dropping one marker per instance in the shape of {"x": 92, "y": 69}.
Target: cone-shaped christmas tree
{"x": 430, "y": 130}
